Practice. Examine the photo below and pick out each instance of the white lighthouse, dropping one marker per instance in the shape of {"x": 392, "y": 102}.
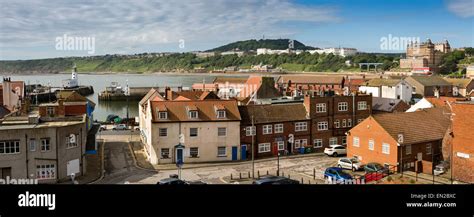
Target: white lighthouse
{"x": 74, "y": 81}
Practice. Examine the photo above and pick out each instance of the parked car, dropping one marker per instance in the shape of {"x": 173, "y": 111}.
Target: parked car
{"x": 136, "y": 128}
{"x": 439, "y": 170}
{"x": 336, "y": 174}
{"x": 102, "y": 128}
{"x": 171, "y": 181}
{"x": 275, "y": 180}
{"x": 350, "y": 163}
{"x": 375, "y": 167}
{"x": 119, "y": 127}
{"x": 196, "y": 183}
{"x": 335, "y": 150}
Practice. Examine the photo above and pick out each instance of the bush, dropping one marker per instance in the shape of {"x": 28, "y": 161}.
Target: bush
{"x": 412, "y": 181}
{"x": 389, "y": 179}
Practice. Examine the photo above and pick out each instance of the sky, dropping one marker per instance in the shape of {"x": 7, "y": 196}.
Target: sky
{"x": 37, "y": 29}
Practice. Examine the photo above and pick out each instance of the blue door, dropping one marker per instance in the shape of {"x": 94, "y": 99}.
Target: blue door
{"x": 179, "y": 155}
{"x": 243, "y": 152}
{"x": 234, "y": 152}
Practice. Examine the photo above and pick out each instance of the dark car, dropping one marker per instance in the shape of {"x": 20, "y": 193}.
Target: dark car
{"x": 375, "y": 167}
{"x": 275, "y": 180}
{"x": 171, "y": 181}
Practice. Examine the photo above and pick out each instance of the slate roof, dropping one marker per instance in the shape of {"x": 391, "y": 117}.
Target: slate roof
{"x": 273, "y": 113}
{"x": 384, "y": 104}
{"x": 311, "y": 79}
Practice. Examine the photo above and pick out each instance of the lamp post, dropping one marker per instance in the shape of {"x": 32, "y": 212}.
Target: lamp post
{"x": 278, "y": 163}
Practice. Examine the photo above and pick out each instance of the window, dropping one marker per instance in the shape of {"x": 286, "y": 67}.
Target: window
{"x": 342, "y": 106}
{"x": 71, "y": 141}
{"x": 163, "y": 132}
{"x": 281, "y": 145}
{"x": 318, "y": 143}
{"x": 344, "y": 123}
{"x": 349, "y": 122}
{"x": 362, "y": 105}
{"x": 263, "y": 147}
{"x": 385, "y": 148}
{"x": 333, "y": 141}
{"x": 45, "y": 144}
{"x": 344, "y": 140}
{"x": 371, "y": 144}
{"x": 165, "y": 153}
{"x": 278, "y": 128}
{"x": 320, "y": 107}
{"x": 221, "y": 151}
{"x": 193, "y": 114}
{"x": 32, "y": 144}
{"x": 301, "y": 126}
{"x": 194, "y": 152}
{"x": 10, "y": 147}
{"x": 221, "y": 131}
{"x": 297, "y": 143}
{"x": 337, "y": 124}
{"x": 193, "y": 132}
{"x": 220, "y": 113}
{"x": 47, "y": 171}
{"x": 267, "y": 129}
{"x": 428, "y": 148}
{"x": 163, "y": 115}
{"x": 304, "y": 142}
{"x": 50, "y": 111}
{"x": 355, "y": 141}
{"x": 322, "y": 125}
{"x": 408, "y": 149}
{"x": 249, "y": 131}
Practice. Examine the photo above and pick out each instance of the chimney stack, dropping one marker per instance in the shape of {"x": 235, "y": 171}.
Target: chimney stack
{"x": 168, "y": 93}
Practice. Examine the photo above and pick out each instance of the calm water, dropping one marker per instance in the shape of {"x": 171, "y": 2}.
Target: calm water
{"x": 99, "y": 82}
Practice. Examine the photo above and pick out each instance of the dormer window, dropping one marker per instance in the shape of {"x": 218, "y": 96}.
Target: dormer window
{"x": 193, "y": 114}
{"x": 163, "y": 115}
{"x": 221, "y": 114}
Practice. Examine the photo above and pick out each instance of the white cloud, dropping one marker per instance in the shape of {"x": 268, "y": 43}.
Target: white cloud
{"x": 462, "y": 8}
{"x": 127, "y": 24}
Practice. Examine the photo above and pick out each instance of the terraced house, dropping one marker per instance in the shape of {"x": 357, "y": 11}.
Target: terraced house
{"x": 189, "y": 127}
{"x": 317, "y": 123}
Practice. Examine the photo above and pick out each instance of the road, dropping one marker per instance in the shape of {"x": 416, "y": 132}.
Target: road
{"x": 120, "y": 167}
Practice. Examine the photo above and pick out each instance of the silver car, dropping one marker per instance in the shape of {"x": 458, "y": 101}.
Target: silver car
{"x": 350, "y": 163}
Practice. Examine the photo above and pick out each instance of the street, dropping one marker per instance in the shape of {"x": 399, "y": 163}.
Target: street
{"x": 120, "y": 167}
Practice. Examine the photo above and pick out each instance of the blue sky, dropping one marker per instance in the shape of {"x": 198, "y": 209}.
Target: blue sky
{"x": 29, "y": 28}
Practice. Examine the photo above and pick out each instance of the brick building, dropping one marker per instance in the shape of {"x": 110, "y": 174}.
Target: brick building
{"x": 463, "y": 141}
{"x": 430, "y": 85}
{"x": 425, "y": 54}
{"x": 316, "y": 123}
{"x": 274, "y": 123}
{"x": 412, "y": 139}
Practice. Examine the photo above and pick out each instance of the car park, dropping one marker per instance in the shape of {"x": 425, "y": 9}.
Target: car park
{"x": 350, "y": 163}
{"x": 275, "y": 180}
{"x": 335, "y": 150}
{"x": 336, "y": 174}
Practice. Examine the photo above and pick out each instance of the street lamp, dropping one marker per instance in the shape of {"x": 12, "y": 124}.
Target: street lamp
{"x": 278, "y": 163}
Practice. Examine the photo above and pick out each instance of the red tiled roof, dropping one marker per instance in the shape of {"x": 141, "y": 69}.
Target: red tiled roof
{"x": 177, "y": 110}
{"x": 420, "y": 126}
{"x": 311, "y": 79}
